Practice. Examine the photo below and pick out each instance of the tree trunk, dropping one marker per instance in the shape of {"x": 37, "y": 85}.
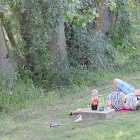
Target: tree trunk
{"x": 7, "y": 27}
{"x": 5, "y": 65}
{"x": 105, "y": 18}
{"x": 25, "y": 28}
{"x": 3, "y": 47}
{"x": 58, "y": 50}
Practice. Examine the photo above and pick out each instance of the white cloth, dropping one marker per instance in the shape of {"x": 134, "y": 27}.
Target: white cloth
{"x": 131, "y": 101}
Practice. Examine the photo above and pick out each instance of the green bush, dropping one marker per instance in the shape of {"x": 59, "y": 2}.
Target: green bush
{"x": 86, "y": 48}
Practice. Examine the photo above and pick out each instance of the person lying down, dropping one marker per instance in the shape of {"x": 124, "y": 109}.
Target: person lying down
{"x": 123, "y": 97}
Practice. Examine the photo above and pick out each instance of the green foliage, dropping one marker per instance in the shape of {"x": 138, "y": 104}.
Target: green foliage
{"x": 89, "y": 50}
{"x": 90, "y": 54}
{"x": 132, "y": 49}
{"x": 111, "y": 4}
{"x": 33, "y": 36}
{"x": 124, "y": 24}
{"x": 54, "y": 79}
{"x": 80, "y": 13}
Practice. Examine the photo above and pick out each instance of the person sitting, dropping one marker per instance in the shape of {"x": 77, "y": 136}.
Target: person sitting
{"x": 123, "y": 97}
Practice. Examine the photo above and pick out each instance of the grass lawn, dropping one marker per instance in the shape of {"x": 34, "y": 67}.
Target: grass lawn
{"x": 33, "y": 123}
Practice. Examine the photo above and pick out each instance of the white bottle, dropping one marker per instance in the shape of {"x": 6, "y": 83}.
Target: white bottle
{"x": 95, "y": 93}
{"x": 108, "y": 104}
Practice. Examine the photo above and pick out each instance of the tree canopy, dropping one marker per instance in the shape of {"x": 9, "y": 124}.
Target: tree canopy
{"x": 51, "y": 41}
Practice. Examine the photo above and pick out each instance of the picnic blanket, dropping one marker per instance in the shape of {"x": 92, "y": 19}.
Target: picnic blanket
{"x": 123, "y": 111}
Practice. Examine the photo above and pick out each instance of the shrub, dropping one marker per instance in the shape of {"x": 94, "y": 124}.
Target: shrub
{"x": 86, "y": 48}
